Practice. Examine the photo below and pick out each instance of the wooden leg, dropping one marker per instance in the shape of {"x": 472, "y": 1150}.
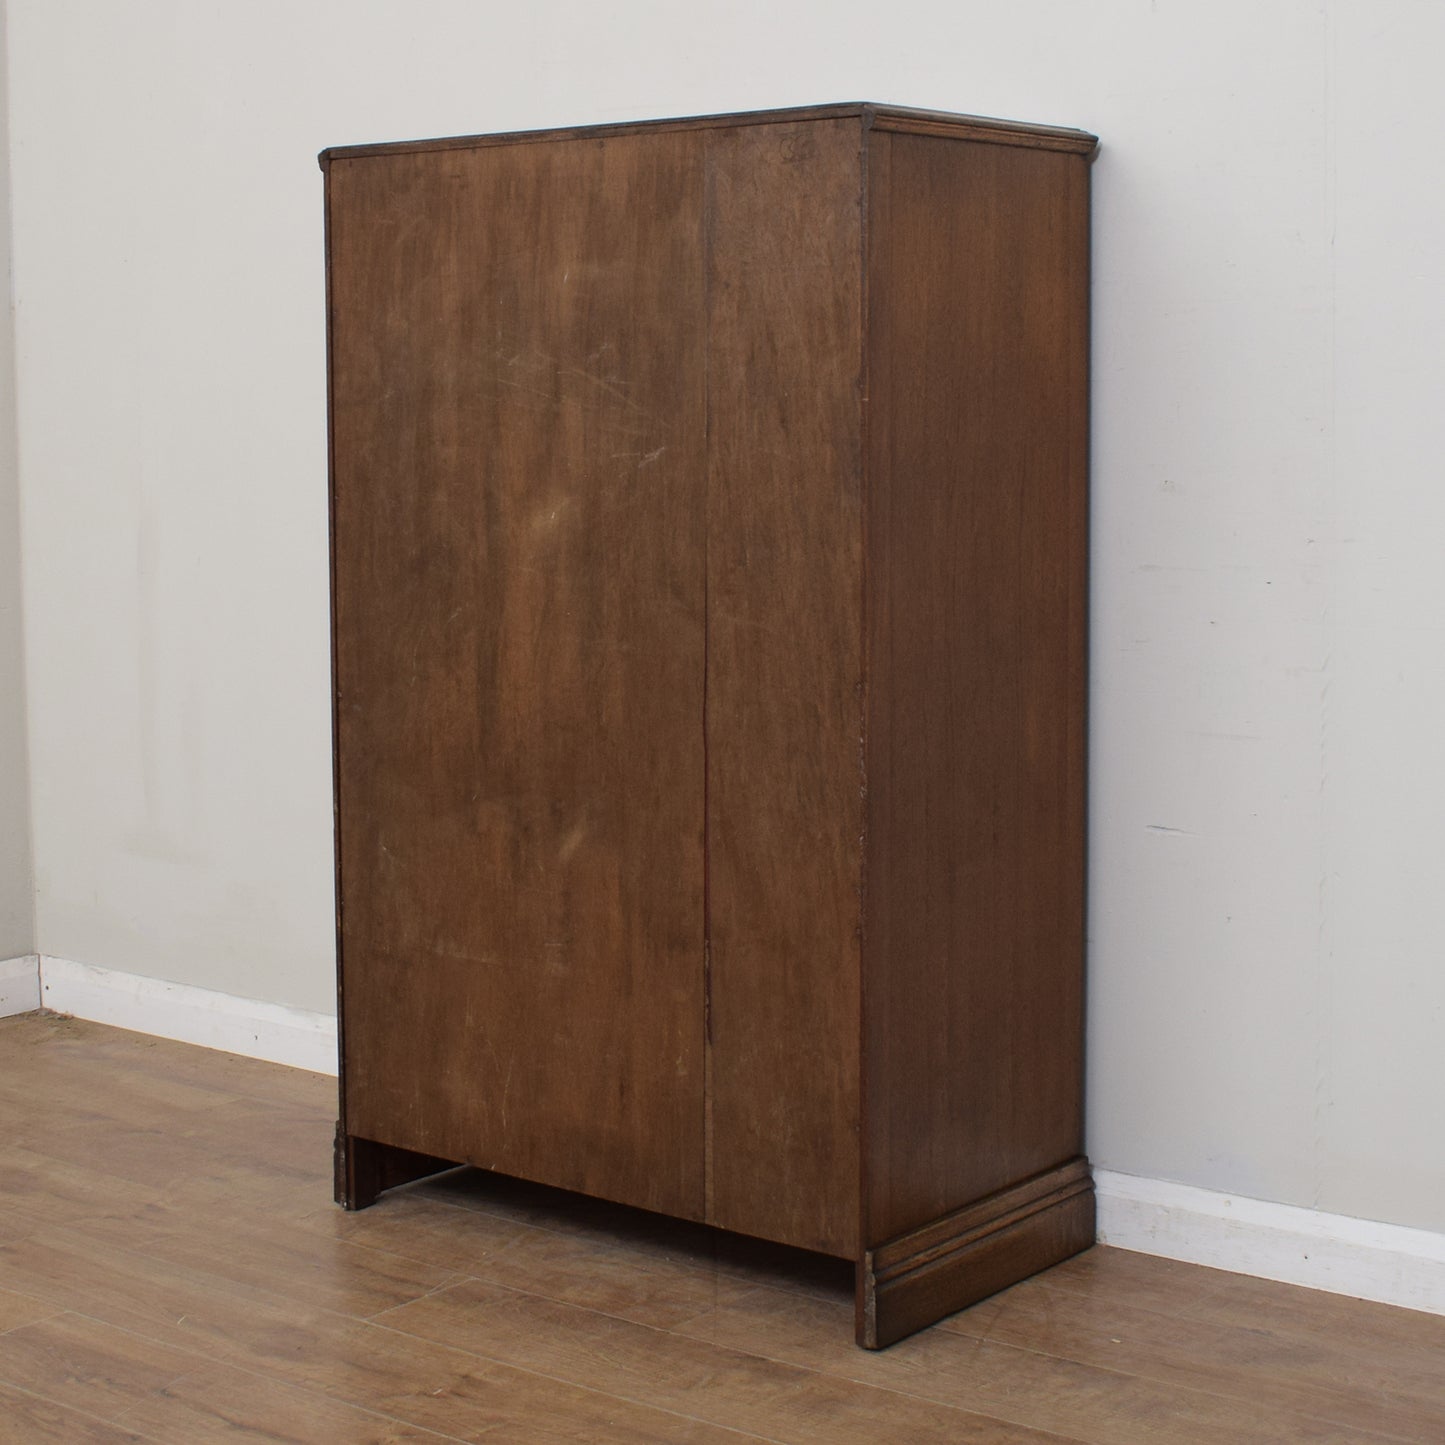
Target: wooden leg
{"x": 364, "y": 1169}
{"x": 915, "y": 1280}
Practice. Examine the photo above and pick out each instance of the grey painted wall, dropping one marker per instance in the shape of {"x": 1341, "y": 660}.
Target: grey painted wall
{"x": 17, "y": 894}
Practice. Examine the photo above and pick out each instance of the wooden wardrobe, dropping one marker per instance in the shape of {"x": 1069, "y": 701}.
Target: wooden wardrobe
{"x": 709, "y": 540}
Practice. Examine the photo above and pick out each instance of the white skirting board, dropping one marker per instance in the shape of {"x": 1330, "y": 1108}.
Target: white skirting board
{"x": 19, "y": 985}
{"x": 1334, "y": 1252}
{"x": 192, "y": 1015}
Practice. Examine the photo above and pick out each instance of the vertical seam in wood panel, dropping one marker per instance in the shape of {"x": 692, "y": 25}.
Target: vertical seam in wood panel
{"x": 707, "y": 1049}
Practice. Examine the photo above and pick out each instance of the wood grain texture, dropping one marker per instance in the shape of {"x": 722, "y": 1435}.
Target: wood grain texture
{"x": 667, "y": 1370}
{"x": 1370, "y": 1383}
{"x": 784, "y": 670}
{"x": 17, "y": 1310}
{"x": 951, "y": 1263}
{"x": 170, "y": 1396}
{"x": 1048, "y": 1391}
{"x": 518, "y": 430}
{"x": 221, "y": 1404}
{"x": 976, "y": 552}
{"x": 885, "y": 117}
{"x": 709, "y": 534}
{"x": 910, "y": 121}
{"x": 188, "y": 1300}
{"x": 365, "y": 1169}
{"x": 26, "y": 1419}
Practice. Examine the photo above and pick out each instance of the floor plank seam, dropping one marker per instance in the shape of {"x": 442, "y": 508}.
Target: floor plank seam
{"x": 1167, "y": 1383}
{"x": 980, "y": 1412}
{"x": 977, "y": 1415}
{"x": 210, "y": 1361}
{"x": 578, "y": 1384}
{"x": 446, "y": 1284}
{"x": 901, "y": 1390}
{"x": 311, "y": 1392}
{"x": 75, "y": 1410}
{"x": 39, "y": 1320}
{"x": 160, "y": 1391}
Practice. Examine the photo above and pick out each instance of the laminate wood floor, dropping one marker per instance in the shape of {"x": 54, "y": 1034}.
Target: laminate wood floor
{"x": 172, "y": 1270}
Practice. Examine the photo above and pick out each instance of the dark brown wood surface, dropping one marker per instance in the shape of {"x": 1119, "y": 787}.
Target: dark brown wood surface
{"x": 885, "y": 117}
{"x": 915, "y": 1280}
{"x": 518, "y": 432}
{"x": 784, "y": 710}
{"x": 364, "y": 1169}
{"x": 976, "y": 546}
{"x": 709, "y": 528}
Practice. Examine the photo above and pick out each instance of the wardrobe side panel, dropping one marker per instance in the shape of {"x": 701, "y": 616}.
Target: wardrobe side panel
{"x": 978, "y": 456}
{"x": 783, "y": 678}
{"x": 518, "y": 433}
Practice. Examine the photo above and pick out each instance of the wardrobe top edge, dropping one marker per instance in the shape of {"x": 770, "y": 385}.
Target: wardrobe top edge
{"x": 873, "y": 117}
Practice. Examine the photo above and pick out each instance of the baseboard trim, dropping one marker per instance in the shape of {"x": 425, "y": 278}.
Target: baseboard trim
{"x": 248, "y": 1026}
{"x": 953, "y": 1262}
{"x": 19, "y": 985}
{"x": 1335, "y": 1252}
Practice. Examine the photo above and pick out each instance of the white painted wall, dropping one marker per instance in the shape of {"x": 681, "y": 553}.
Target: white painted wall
{"x": 1267, "y": 993}
{"x": 17, "y": 905}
